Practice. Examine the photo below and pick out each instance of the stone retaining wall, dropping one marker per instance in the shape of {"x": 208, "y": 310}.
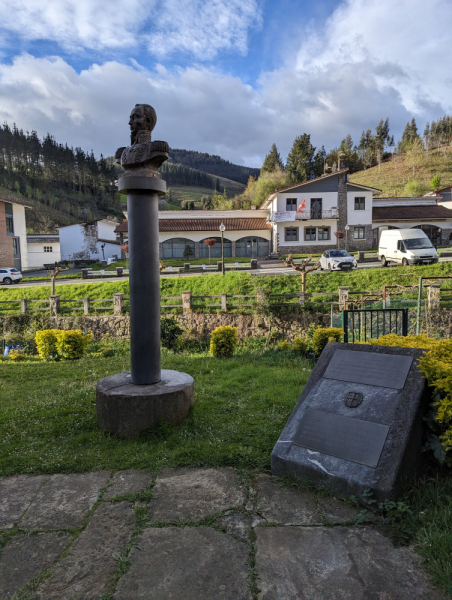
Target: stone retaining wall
{"x": 439, "y": 324}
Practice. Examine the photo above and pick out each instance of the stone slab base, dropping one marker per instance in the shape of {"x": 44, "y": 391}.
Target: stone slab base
{"x": 125, "y": 409}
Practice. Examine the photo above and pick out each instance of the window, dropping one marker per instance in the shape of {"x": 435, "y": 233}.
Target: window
{"x": 359, "y": 233}
{"x": 291, "y": 234}
{"x": 9, "y": 224}
{"x": 16, "y": 246}
{"x": 291, "y": 204}
{"x": 360, "y": 204}
{"x": 48, "y": 249}
{"x": 323, "y": 233}
{"x": 310, "y": 234}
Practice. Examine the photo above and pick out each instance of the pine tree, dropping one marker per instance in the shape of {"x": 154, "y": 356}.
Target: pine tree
{"x": 300, "y": 160}
{"x": 273, "y": 161}
{"x": 319, "y": 162}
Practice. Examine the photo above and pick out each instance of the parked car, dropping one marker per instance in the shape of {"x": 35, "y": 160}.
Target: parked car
{"x": 9, "y": 276}
{"x": 406, "y": 247}
{"x": 337, "y": 260}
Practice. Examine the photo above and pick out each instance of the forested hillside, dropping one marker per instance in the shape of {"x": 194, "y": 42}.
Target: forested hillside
{"x": 213, "y": 164}
{"x": 63, "y": 185}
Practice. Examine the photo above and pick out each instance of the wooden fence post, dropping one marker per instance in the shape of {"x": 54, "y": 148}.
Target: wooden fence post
{"x": 434, "y": 295}
{"x": 187, "y": 301}
{"x": 119, "y": 271}
{"x": 86, "y": 306}
{"x": 343, "y": 297}
{"x": 118, "y": 304}
{"x": 24, "y": 306}
{"x": 224, "y": 303}
{"x": 54, "y": 305}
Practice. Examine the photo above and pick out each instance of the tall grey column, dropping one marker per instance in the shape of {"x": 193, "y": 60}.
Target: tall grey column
{"x": 144, "y": 273}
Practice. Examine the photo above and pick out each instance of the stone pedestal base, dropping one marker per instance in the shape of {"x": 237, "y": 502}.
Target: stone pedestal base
{"x": 125, "y": 409}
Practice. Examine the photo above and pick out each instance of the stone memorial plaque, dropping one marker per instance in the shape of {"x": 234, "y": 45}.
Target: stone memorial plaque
{"x": 370, "y": 368}
{"x": 358, "y": 422}
{"x": 344, "y": 437}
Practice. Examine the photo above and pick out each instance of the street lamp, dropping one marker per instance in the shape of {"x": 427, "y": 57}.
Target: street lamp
{"x": 252, "y": 248}
{"x": 347, "y": 227}
{"x": 222, "y": 229}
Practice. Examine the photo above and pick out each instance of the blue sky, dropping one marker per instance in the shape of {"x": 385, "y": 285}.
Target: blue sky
{"x": 228, "y": 77}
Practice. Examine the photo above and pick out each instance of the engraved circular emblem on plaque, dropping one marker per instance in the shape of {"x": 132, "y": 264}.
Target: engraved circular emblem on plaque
{"x": 353, "y": 399}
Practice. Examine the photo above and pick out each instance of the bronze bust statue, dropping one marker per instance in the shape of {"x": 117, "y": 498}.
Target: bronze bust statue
{"x": 142, "y": 153}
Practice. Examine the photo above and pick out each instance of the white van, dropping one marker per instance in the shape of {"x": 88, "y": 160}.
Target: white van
{"x": 406, "y": 247}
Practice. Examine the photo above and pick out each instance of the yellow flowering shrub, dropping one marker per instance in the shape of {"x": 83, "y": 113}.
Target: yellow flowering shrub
{"x": 58, "y": 343}
{"x": 299, "y": 345}
{"x": 16, "y": 355}
{"x": 223, "y": 341}
{"x": 436, "y": 365}
{"x": 322, "y": 337}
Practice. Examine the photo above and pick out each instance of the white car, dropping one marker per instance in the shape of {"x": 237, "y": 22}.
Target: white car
{"x": 337, "y": 260}
{"x": 9, "y": 276}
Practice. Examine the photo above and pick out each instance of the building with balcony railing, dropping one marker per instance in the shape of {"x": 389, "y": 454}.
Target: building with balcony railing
{"x": 305, "y": 217}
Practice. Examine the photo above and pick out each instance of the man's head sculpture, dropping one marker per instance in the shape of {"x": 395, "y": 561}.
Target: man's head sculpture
{"x": 142, "y": 121}
{"x": 142, "y": 152}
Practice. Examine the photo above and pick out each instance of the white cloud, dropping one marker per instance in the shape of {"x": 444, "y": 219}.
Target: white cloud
{"x": 201, "y": 29}
{"x": 370, "y": 61}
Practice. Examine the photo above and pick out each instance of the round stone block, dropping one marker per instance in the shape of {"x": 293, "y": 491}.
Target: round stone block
{"x": 125, "y": 409}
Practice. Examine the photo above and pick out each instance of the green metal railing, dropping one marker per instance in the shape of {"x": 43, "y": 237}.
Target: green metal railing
{"x": 363, "y": 325}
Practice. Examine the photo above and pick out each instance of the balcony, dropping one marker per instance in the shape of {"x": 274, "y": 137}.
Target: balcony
{"x": 303, "y": 215}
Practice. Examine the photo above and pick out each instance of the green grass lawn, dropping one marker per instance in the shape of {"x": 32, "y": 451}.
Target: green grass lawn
{"x": 48, "y": 414}
{"x": 48, "y": 425}
{"x": 244, "y": 283}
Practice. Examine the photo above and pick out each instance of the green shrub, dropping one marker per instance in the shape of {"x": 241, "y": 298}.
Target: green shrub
{"x": 322, "y": 337}
{"x": 170, "y": 332}
{"x": 58, "y": 343}
{"x": 283, "y": 345}
{"x": 300, "y": 345}
{"x": 223, "y": 341}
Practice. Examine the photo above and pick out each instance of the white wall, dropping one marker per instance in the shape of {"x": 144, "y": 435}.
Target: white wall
{"x": 106, "y": 230}
{"x": 359, "y": 217}
{"x": 20, "y": 231}
{"x": 233, "y": 236}
{"x": 38, "y": 258}
{"x": 109, "y": 250}
{"x": 329, "y": 200}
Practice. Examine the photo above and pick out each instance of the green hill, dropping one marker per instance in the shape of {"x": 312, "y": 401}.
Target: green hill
{"x": 392, "y": 175}
{"x": 212, "y": 164}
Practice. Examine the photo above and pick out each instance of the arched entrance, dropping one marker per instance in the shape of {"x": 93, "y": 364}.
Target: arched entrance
{"x": 175, "y": 248}
{"x": 433, "y": 233}
{"x": 252, "y": 247}
{"x": 215, "y": 251}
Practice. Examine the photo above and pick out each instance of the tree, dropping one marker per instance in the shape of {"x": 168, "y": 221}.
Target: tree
{"x": 409, "y": 135}
{"x": 339, "y": 236}
{"x": 210, "y": 243}
{"x": 188, "y": 252}
{"x": 187, "y": 205}
{"x": 319, "y": 162}
{"x": 53, "y": 275}
{"x": 415, "y": 188}
{"x": 302, "y": 268}
{"x": 435, "y": 182}
{"x": 300, "y": 160}
{"x": 206, "y": 202}
{"x": 273, "y": 161}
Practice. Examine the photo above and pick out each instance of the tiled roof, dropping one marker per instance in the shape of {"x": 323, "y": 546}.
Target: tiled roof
{"x": 166, "y": 225}
{"x": 400, "y": 213}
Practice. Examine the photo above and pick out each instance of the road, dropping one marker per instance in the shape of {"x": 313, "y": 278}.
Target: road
{"x": 270, "y": 268}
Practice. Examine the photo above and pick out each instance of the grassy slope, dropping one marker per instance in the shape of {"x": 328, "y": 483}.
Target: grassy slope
{"x": 244, "y": 283}
{"x": 393, "y": 175}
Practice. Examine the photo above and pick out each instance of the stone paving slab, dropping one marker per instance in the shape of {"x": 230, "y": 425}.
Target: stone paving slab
{"x": 190, "y": 563}
{"x": 195, "y": 493}
{"x": 26, "y": 556}
{"x": 129, "y": 481}
{"x": 284, "y": 505}
{"x": 16, "y": 495}
{"x": 319, "y": 563}
{"x": 63, "y": 501}
{"x": 236, "y": 525}
{"x": 86, "y": 572}
{"x": 337, "y": 511}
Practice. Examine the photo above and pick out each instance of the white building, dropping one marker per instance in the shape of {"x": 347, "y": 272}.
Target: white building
{"x": 247, "y": 233}
{"x": 95, "y": 240}
{"x": 43, "y": 249}
{"x": 305, "y": 216}
{"x": 13, "y": 234}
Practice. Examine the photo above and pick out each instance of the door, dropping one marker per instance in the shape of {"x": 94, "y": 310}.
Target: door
{"x": 16, "y": 250}
{"x": 316, "y": 208}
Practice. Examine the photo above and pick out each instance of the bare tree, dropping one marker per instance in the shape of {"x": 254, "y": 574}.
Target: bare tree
{"x": 53, "y": 275}
{"x": 210, "y": 243}
{"x": 302, "y": 268}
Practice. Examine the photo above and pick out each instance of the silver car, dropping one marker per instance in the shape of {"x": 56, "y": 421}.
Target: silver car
{"x": 337, "y": 260}
{"x": 9, "y": 276}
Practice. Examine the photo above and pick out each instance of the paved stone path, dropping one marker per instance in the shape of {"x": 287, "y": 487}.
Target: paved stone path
{"x": 192, "y": 534}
